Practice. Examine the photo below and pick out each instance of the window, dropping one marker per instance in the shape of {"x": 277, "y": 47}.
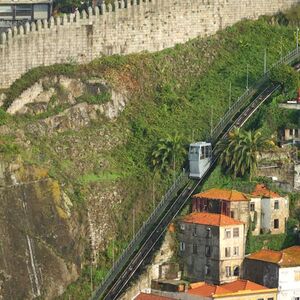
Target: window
{"x": 228, "y": 271}
{"x": 182, "y": 246}
{"x": 195, "y": 231}
{"x": 235, "y": 251}
{"x": 195, "y": 250}
{"x": 40, "y": 11}
{"x": 232, "y": 214}
{"x": 6, "y": 12}
{"x": 208, "y": 233}
{"x": 276, "y": 223}
{"x": 208, "y": 251}
{"x": 291, "y": 132}
{"x": 271, "y": 298}
{"x": 207, "y": 270}
{"x": 236, "y": 232}
{"x": 297, "y": 276}
{"x": 252, "y": 206}
{"x": 227, "y": 251}
{"x": 227, "y": 233}
{"x": 23, "y": 11}
{"x": 236, "y": 271}
{"x": 296, "y": 133}
{"x": 297, "y": 298}
{"x": 276, "y": 204}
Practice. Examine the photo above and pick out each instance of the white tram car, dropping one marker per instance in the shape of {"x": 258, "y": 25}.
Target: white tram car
{"x": 200, "y": 155}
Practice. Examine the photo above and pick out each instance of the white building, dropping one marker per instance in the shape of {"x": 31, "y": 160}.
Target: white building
{"x": 276, "y": 269}
{"x": 268, "y": 210}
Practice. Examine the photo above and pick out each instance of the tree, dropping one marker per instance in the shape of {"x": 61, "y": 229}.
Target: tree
{"x": 165, "y": 152}
{"x": 238, "y": 153}
{"x": 69, "y": 6}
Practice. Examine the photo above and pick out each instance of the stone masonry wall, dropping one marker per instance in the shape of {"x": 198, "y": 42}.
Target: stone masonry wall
{"x": 125, "y": 27}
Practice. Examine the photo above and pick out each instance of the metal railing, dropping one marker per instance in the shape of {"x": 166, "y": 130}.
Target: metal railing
{"x": 248, "y": 94}
{"x": 183, "y": 179}
{"x": 178, "y": 184}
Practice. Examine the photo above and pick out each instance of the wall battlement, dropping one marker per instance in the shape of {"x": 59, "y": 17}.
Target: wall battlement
{"x": 122, "y": 28}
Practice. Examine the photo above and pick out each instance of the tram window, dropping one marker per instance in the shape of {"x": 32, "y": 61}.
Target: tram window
{"x": 202, "y": 153}
{"x": 194, "y": 150}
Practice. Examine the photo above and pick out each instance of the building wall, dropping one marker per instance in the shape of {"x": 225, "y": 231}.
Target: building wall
{"x": 269, "y": 214}
{"x": 233, "y": 260}
{"x": 194, "y": 264}
{"x": 261, "y": 272}
{"x": 150, "y": 26}
{"x": 258, "y": 213}
{"x": 241, "y": 212}
{"x": 289, "y": 283}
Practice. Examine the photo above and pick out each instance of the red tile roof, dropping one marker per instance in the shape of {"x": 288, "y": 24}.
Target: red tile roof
{"x": 262, "y": 191}
{"x": 207, "y": 290}
{"x": 219, "y": 194}
{"x": 289, "y": 257}
{"x": 210, "y": 219}
{"x": 144, "y": 296}
{"x": 243, "y": 285}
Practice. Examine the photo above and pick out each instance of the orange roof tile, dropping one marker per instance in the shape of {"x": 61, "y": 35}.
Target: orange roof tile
{"x": 262, "y": 190}
{"x": 220, "y": 194}
{"x": 207, "y": 290}
{"x": 144, "y": 296}
{"x": 210, "y": 219}
{"x": 243, "y": 285}
{"x": 288, "y": 257}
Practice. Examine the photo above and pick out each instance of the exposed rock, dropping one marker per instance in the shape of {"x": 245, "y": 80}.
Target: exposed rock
{"x": 43, "y": 233}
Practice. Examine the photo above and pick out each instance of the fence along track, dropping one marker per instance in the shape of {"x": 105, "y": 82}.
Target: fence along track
{"x": 145, "y": 239}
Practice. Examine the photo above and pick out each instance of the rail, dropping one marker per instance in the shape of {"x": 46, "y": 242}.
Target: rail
{"x": 181, "y": 183}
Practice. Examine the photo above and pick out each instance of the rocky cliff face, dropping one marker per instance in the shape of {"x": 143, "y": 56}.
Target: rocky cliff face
{"x": 40, "y": 248}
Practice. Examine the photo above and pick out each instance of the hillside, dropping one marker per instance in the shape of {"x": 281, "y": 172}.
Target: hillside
{"x": 102, "y": 160}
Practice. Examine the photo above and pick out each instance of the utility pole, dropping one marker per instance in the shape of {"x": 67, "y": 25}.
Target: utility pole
{"x": 247, "y": 85}
{"x": 211, "y": 121}
{"x": 265, "y": 61}
{"x": 229, "y": 100}
{"x": 297, "y": 39}
{"x": 133, "y": 224}
{"x": 113, "y": 252}
{"x": 91, "y": 279}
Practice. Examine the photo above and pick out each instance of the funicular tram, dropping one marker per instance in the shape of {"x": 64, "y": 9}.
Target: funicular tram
{"x": 200, "y": 156}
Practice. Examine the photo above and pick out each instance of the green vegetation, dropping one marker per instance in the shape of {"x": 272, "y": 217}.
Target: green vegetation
{"x": 175, "y": 91}
{"x": 239, "y": 152}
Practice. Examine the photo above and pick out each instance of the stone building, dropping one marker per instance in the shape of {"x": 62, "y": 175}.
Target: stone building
{"x": 211, "y": 247}
{"x": 230, "y": 203}
{"x": 268, "y": 210}
{"x": 15, "y": 12}
{"x": 276, "y": 269}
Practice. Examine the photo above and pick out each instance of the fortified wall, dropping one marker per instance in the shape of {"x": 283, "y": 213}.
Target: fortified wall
{"x": 125, "y": 27}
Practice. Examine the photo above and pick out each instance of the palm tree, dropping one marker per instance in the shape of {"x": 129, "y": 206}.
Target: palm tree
{"x": 238, "y": 153}
{"x": 165, "y": 152}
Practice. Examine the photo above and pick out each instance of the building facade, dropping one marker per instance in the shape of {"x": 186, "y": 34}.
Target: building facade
{"x": 268, "y": 211}
{"x": 211, "y": 247}
{"x": 276, "y": 269}
{"x": 15, "y": 12}
{"x": 230, "y": 203}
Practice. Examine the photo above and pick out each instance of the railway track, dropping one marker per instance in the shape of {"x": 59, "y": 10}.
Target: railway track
{"x": 178, "y": 195}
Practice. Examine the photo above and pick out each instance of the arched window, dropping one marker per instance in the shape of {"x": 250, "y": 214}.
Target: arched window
{"x": 236, "y": 271}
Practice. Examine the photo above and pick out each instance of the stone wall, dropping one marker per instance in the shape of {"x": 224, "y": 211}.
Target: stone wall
{"x": 125, "y": 27}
